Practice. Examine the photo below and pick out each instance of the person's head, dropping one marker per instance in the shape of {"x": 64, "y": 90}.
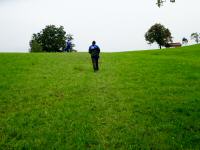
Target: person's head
{"x": 93, "y": 43}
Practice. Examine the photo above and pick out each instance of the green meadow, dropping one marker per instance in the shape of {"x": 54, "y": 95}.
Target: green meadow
{"x": 138, "y": 100}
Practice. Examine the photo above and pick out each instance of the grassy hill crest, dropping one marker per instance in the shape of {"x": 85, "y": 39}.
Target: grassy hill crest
{"x": 138, "y": 100}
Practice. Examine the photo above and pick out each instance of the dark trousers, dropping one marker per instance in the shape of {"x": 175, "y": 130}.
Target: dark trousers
{"x": 95, "y": 62}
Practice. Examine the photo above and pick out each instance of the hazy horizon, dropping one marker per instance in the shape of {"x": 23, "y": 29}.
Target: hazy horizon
{"x": 116, "y": 25}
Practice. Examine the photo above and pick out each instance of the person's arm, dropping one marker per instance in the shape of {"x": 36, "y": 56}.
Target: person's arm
{"x": 98, "y": 49}
{"x": 90, "y": 51}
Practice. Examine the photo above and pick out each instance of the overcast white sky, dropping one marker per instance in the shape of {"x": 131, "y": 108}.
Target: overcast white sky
{"x": 116, "y": 25}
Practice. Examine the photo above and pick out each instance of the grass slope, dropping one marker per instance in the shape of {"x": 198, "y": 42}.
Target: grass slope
{"x": 138, "y": 100}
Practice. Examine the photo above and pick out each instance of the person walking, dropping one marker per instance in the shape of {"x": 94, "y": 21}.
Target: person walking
{"x": 94, "y": 51}
{"x": 68, "y": 46}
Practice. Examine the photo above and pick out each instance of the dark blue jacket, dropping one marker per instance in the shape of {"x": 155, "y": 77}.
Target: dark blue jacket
{"x": 94, "y": 50}
{"x": 69, "y": 45}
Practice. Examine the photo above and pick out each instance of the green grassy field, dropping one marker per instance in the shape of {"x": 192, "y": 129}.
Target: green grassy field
{"x": 138, "y": 100}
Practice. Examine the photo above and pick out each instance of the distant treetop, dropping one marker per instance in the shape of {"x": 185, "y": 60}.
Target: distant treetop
{"x": 160, "y": 2}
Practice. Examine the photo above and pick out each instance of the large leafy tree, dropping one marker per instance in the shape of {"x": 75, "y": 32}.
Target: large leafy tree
{"x": 50, "y": 39}
{"x": 196, "y": 37}
{"x": 159, "y": 34}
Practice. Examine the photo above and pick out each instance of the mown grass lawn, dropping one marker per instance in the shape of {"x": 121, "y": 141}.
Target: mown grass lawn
{"x": 138, "y": 100}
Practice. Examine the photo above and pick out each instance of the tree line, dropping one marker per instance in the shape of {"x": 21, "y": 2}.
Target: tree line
{"x": 162, "y": 36}
{"x": 53, "y": 39}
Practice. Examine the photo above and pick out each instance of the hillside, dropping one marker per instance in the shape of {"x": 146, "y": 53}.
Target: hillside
{"x": 138, "y": 100}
